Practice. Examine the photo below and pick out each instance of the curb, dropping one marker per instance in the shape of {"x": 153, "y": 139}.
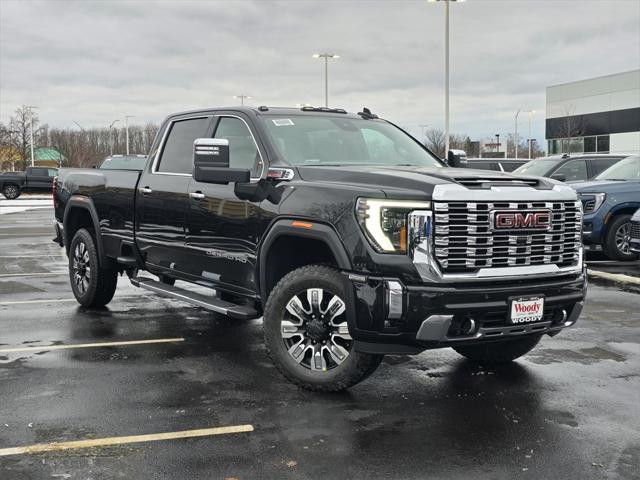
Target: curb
{"x": 616, "y": 277}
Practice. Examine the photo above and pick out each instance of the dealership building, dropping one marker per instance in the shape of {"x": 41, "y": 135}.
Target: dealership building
{"x": 599, "y": 114}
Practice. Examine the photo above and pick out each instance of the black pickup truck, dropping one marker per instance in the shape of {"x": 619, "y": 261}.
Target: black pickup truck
{"x": 35, "y": 179}
{"x": 342, "y": 231}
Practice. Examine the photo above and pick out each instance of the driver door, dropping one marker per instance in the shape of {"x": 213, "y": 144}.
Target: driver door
{"x": 223, "y": 231}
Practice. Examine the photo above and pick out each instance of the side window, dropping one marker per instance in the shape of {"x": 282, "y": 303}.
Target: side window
{"x": 177, "y": 154}
{"x": 40, "y": 172}
{"x": 243, "y": 152}
{"x": 52, "y": 172}
{"x": 573, "y": 171}
{"x": 599, "y": 165}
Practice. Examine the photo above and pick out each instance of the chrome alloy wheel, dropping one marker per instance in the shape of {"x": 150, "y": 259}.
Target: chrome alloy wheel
{"x": 81, "y": 267}
{"x": 623, "y": 238}
{"x": 314, "y": 330}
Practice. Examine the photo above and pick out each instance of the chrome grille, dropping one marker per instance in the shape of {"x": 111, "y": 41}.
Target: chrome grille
{"x": 635, "y": 230}
{"x": 464, "y": 240}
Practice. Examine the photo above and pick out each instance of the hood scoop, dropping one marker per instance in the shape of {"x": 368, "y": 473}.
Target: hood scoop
{"x": 486, "y": 183}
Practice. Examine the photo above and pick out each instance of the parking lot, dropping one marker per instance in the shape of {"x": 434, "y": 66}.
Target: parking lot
{"x": 173, "y": 374}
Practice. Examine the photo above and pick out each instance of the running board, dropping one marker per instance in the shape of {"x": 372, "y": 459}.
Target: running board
{"x": 208, "y": 303}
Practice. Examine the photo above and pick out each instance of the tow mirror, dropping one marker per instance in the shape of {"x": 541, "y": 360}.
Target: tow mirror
{"x": 211, "y": 162}
{"x": 456, "y": 159}
{"x": 559, "y": 176}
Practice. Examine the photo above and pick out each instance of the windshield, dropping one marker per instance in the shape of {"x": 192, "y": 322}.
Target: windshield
{"x": 124, "y": 162}
{"x": 536, "y": 167}
{"x": 627, "y": 169}
{"x": 328, "y": 140}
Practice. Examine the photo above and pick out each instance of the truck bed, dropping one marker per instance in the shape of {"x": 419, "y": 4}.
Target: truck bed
{"x": 113, "y": 195}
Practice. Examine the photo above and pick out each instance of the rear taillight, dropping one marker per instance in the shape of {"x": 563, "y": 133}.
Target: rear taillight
{"x": 54, "y": 187}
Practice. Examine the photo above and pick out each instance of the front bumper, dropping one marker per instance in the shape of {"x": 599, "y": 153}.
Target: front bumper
{"x": 389, "y": 317}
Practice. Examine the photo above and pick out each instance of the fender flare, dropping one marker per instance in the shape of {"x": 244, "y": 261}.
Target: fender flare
{"x": 85, "y": 203}
{"x": 318, "y": 231}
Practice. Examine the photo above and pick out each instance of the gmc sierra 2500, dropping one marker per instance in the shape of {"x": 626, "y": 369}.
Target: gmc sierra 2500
{"x": 349, "y": 237}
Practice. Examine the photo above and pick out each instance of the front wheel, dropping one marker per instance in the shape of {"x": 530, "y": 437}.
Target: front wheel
{"x": 306, "y": 332}
{"x": 499, "y": 352}
{"x": 92, "y": 284}
{"x": 617, "y": 243}
{"x": 11, "y": 192}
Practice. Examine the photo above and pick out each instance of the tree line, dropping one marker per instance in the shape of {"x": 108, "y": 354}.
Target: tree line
{"x": 78, "y": 147}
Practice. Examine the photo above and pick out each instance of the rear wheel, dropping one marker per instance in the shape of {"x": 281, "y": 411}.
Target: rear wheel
{"x": 499, "y": 352}
{"x": 93, "y": 285}
{"x": 617, "y": 243}
{"x": 306, "y": 332}
{"x": 11, "y": 192}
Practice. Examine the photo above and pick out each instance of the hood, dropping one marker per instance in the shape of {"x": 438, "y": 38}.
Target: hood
{"x": 607, "y": 186}
{"x": 408, "y": 181}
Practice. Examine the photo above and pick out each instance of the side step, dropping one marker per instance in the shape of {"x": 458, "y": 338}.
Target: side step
{"x": 209, "y": 303}
{"x": 130, "y": 262}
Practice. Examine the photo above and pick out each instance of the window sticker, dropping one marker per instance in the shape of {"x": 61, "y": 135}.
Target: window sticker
{"x": 282, "y": 122}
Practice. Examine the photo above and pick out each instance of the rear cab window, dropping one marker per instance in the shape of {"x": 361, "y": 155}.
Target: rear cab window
{"x": 177, "y": 154}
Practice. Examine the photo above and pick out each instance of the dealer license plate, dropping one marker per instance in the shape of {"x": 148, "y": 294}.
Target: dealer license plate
{"x": 527, "y": 310}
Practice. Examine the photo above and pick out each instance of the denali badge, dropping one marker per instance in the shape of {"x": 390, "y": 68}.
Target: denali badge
{"x": 522, "y": 220}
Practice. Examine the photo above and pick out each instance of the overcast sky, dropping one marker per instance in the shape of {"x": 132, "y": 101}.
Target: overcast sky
{"x": 95, "y": 61}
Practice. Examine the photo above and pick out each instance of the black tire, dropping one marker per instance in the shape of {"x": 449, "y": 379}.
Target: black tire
{"x": 95, "y": 287}
{"x": 11, "y": 192}
{"x": 616, "y": 242}
{"x": 499, "y": 352}
{"x": 353, "y": 368}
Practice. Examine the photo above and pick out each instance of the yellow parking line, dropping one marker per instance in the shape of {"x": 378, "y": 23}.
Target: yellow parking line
{"x": 103, "y": 442}
{"x": 60, "y": 300}
{"x": 32, "y": 274}
{"x": 89, "y": 345}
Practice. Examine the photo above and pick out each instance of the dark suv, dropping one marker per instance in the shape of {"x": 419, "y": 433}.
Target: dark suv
{"x": 348, "y": 236}
{"x": 569, "y": 168}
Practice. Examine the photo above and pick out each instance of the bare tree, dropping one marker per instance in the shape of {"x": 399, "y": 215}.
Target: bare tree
{"x": 18, "y": 134}
{"x": 434, "y": 141}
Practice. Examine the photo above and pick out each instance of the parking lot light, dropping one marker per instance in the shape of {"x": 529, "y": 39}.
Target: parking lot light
{"x": 326, "y": 57}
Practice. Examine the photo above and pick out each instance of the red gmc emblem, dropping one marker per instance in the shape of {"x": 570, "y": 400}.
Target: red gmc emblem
{"x": 522, "y": 221}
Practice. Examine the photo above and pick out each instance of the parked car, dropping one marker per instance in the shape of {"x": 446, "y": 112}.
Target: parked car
{"x": 495, "y": 164}
{"x": 635, "y": 232}
{"x": 608, "y": 202}
{"x": 35, "y": 179}
{"x": 570, "y": 168}
{"x": 124, "y": 162}
{"x": 347, "y": 235}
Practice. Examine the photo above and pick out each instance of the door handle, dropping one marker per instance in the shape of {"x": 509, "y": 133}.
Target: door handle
{"x": 145, "y": 190}
{"x": 197, "y": 195}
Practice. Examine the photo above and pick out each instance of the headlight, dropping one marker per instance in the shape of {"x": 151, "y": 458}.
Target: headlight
{"x": 592, "y": 201}
{"x": 384, "y": 222}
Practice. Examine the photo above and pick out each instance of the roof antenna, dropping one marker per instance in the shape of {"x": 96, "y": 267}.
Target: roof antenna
{"x": 366, "y": 114}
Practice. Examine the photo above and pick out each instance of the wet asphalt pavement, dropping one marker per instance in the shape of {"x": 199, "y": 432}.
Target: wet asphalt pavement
{"x": 569, "y": 409}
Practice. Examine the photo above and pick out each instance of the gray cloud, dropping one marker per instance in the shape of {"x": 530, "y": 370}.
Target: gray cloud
{"x": 94, "y": 61}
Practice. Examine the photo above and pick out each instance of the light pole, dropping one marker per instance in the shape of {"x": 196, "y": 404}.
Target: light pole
{"x": 31, "y": 134}
{"x": 446, "y": 70}
{"x": 126, "y": 121}
{"x": 530, "y": 112}
{"x": 242, "y": 97}
{"x": 326, "y": 57}
{"x": 111, "y": 136}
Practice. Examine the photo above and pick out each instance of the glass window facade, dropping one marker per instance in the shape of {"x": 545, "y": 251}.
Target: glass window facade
{"x": 558, "y": 146}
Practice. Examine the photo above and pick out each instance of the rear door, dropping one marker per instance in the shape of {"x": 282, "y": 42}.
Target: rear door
{"x": 162, "y": 200}
{"x": 222, "y": 230}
